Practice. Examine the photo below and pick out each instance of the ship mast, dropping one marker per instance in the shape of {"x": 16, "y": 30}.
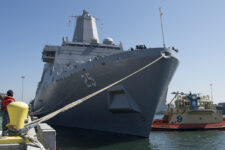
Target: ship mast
{"x": 211, "y": 91}
{"x": 160, "y": 13}
{"x": 86, "y": 30}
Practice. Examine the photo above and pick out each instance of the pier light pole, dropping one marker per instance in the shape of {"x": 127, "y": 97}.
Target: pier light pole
{"x": 22, "y": 77}
{"x": 211, "y": 91}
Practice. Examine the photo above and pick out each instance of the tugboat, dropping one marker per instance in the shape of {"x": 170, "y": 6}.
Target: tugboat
{"x": 191, "y": 112}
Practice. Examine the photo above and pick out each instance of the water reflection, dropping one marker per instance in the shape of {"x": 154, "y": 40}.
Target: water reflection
{"x": 185, "y": 140}
{"x": 74, "y": 138}
{"x": 79, "y": 139}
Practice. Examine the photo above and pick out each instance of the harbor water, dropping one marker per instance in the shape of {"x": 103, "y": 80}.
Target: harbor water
{"x": 81, "y": 139}
{"x": 78, "y": 139}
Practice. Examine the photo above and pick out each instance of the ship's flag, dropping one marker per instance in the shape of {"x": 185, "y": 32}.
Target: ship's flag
{"x": 69, "y": 22}
{"x": 160, "y": 12}
{"x": 101, "y": 26}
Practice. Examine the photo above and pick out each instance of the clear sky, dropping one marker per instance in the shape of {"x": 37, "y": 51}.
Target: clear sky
{"x": 195, "y": 27}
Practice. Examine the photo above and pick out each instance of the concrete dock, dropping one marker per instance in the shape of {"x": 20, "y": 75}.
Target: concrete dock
{"x": 44, "y": 138}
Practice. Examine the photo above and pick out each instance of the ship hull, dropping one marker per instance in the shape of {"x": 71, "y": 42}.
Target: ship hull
{"x": 126, "y": 108}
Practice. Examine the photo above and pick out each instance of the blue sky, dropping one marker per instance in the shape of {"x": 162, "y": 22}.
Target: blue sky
{"x": 196, "y": 28}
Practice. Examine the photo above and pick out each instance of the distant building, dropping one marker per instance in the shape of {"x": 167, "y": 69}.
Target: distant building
{"x": 221, "y": 106}
{"x": 162, "y": 107}
{"x": 2, "y": 96}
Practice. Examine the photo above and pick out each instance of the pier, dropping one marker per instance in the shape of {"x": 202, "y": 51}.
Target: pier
{"x": 39, "y": 136}
{"x": 44, "y": 138}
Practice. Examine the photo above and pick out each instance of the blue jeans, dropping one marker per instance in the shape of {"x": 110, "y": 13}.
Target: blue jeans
{"x": 5, "y": 120}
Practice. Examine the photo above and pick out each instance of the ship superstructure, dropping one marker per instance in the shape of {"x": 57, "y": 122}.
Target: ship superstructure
{"x": 82, "y": 66}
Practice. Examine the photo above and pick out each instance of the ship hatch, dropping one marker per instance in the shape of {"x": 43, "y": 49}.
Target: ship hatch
{"x": 119, "y": 100}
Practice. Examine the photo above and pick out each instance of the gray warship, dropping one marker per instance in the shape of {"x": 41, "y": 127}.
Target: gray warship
{"x": 82, "y": 66}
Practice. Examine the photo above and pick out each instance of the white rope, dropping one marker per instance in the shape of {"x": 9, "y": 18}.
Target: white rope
{"x": 34, "y": 141}
{"x": 79, "y": 101}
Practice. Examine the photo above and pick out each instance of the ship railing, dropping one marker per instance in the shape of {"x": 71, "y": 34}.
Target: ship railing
{"x": 92, "y": 45}
{"x": 177, "y": 111}
{"x": 188, "y": 108}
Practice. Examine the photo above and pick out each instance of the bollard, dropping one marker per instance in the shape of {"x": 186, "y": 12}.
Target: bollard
{"x": 18, "y": 112}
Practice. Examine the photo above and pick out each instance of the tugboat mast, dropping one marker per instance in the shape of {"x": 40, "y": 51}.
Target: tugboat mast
{"x": 211, "y": 91}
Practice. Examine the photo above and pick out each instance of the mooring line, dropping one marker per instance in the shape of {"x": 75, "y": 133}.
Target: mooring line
{"x": 79, "y": 101}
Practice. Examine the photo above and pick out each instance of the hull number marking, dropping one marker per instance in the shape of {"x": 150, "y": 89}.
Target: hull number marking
{"x": 88, "y": 80}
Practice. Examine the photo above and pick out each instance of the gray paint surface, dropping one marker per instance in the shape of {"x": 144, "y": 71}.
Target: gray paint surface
{"x": 76, "y": 69}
